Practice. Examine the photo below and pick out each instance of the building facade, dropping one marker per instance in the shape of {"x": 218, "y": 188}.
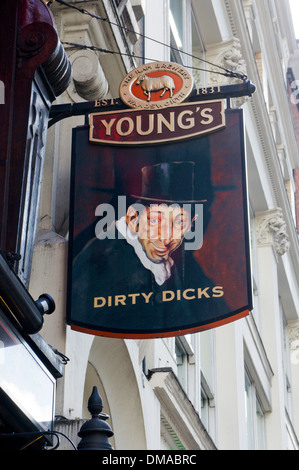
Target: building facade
{"x": 229, "y": 388}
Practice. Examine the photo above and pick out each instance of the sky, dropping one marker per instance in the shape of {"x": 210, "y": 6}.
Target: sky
{"x": 295, "y": 11}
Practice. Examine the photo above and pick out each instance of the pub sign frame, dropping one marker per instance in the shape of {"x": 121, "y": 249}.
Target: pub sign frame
{"x": 183, "y": 166}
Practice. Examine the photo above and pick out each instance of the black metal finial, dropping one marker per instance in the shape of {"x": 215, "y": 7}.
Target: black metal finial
{"x": 95, "y": 403}
{"x": 96, "y": 431}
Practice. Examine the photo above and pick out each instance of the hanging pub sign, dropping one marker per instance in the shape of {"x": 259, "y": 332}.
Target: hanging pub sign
{"x": 159, "y": 242}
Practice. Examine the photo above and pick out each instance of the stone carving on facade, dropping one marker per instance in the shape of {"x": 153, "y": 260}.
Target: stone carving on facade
{"x": 272, "y": 231}
{"x": 88, "y": 76}
{"x": 293, "y": 332}
{"x": 229, "y": 57}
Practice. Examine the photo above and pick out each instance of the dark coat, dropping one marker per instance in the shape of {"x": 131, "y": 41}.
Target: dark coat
{"x": 107, "y": 269}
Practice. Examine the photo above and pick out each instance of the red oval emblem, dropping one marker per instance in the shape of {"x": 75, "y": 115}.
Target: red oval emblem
{"x": 156, "y": 85}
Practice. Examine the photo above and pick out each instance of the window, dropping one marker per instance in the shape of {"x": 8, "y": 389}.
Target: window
{"x": 254, "y": 417}
{"x": 198, "y": 52}
{"x": 182, "y": 363}
{"x": 185, "y": 37}
{"x": 254, "y": 266}
{"x": 207, "y": 381}
{"x": 204, "y": 409}
{"x": 176, "y": 22}
{"x": 183, "y": 351}
{"x": 260, "y": 426}
{"x": 176, "y": 27}
{"x": 286, "y": 362}
{"x": 125, "y": 16}
{"x": 207, "y": 408}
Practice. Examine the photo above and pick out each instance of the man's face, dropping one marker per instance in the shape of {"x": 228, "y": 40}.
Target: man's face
{"x": 161, "y": 230}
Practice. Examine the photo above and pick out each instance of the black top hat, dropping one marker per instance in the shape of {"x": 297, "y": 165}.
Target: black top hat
{"x": 168, "y": 182}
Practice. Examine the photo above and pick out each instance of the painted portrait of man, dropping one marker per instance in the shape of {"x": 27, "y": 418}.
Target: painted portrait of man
{"x": 140, "y": 269}
{"x": 157, "y": 224}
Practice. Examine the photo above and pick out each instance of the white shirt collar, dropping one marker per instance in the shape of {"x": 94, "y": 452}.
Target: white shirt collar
{"x": 161, "y": 271}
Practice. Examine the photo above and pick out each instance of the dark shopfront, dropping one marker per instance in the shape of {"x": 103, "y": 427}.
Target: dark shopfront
{"x": 29, "y": 367}
{"x": 34, "y": 70}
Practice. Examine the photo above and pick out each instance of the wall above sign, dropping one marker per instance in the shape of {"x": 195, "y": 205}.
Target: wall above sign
{"x": 156, "y": 85}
